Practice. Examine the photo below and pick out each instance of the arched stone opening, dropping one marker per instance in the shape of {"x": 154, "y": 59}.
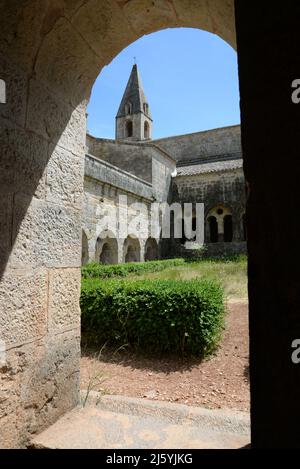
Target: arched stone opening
{"x": 219, "y": 219}
{"x": 228, "y": 229}
{"x": 128, "y": 129}
{"x": 107, "y": 255}
{"x": 131, "y": 250}
{"x": 151, "y": 250}
{"x": 107, "y": 249}
{"x": 146, "y": 130}
{"x": 84, "y": 249}
{"x": 213, "y": 229}
{"x": 53, "y": 54}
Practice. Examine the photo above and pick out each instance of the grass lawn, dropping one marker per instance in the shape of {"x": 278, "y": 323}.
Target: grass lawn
{"x": 231, "y": 273}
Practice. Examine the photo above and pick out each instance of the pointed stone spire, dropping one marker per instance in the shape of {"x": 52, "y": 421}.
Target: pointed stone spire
{"x": 133, "y": 120}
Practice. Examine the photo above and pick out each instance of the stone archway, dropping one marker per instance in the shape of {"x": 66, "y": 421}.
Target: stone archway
{"x": 51, "y": 53}
{"x": 151, "y": 249}
{"x": 219, "y": 224}
{"x": 131, "y": 250}
{"x": 212, "y": 229}
{"x": 107, "y": 248}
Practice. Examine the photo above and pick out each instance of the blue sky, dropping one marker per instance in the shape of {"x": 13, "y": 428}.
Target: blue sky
{"x": 190, "y": 79}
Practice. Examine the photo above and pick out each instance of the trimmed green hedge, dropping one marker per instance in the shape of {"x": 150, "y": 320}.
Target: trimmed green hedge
{"x": 95, "y": 270}
{"x": 156, "y": 316}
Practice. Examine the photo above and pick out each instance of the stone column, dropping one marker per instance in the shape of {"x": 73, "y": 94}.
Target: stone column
{"x": 42, "y": 141}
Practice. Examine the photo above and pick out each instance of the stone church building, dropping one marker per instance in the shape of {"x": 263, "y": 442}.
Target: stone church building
{"x": 126, "y": 177}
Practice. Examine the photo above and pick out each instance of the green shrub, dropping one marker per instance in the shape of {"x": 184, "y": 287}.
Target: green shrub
{"x": 152, "y": 315}
{"x": 95, "y": 270}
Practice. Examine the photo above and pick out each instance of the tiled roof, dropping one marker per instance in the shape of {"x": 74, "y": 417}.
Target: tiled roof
{"x": 209, "y": 167}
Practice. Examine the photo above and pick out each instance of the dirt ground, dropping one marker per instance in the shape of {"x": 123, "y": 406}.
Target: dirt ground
{"x": 220, "y": 382}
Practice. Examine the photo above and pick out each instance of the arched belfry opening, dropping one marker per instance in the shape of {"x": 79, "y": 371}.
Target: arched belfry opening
{"x": 146, "y": 131}
{"x": 128, "y": 129}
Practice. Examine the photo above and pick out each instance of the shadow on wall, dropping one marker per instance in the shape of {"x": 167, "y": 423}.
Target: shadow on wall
{"x": 35, "y": 215}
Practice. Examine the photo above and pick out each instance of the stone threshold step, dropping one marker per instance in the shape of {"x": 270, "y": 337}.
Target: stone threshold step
{"x": 118, "y": 422}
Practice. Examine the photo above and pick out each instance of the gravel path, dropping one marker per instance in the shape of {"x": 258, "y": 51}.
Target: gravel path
{"x": 220, "y": 382}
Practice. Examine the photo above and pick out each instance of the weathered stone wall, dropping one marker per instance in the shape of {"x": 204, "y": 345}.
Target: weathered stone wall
{"x": 109, "y": 174}
{"x": 112, "y": 199}
{"x": 138, "y": 122}
{"x": 225, "y": 188}
{"x": 204, "y": 145}
{"x": 227, "y": 249}
{"x": 41, "y": 172}
{"x": 145, "y": 161}
{"x": 42, "y": 142}
{"x": 132, "y": 157}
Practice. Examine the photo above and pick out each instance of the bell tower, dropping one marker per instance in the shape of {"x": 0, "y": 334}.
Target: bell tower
{"x": 133, "y": 120}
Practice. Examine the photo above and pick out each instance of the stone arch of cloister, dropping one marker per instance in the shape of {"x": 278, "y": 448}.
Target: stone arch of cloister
{"x": 132, "y": 251}
{"x": 215, "y": 223}
{"x": 107, "y": 248}
{"x": 50, "y": 56}
{"x": 151, "y": 249}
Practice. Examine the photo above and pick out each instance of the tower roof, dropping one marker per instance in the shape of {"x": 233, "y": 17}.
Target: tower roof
{"x": 134, "y": 94}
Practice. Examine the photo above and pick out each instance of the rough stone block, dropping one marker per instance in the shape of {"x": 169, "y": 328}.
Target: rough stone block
{"x": 75, "y": 67}
{"x": 9, "y": 402}
{"x": 201, "y": 12}
{"x": 65, "y": 173}
{"x": 39, "y": 383}
{"x": 21, "y": 30}
{"x": 50, "y": 382}
{"x": 23, "y": 306}
{"x": 146, "y": 17}
{"x": 6, "y": 208}
{"x": 23, "y": 160}
{"x": 105, "y": 28}
{"x": 64, "y": 293}
{"x": 45, "y": 234}
{"x": 16, "y": 92}
{"x": 55, "y": 120}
